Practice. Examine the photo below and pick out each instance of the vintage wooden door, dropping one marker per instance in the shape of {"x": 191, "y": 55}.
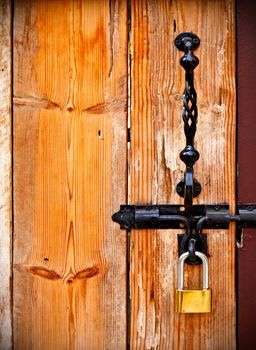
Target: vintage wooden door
{"x": 94, "y": 89}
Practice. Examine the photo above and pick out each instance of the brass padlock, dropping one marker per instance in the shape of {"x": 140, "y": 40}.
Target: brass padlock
{"x": 193, "y": 300}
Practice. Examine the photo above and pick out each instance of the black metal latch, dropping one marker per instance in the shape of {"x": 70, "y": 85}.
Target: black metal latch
{"x": 173, "y": 217}
{"x": 192, "y": 218}
{"x": 195, "y": 218}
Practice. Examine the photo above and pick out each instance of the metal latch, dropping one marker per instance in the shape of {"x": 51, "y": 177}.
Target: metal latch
{"x": 192, "y": 218}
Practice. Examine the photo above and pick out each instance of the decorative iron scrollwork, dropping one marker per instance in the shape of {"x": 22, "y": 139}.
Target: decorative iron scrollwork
{"x": 189, "y": 187}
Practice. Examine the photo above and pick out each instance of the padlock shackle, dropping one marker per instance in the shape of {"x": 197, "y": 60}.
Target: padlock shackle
{"x": 204, "y": 259}
{"x": 181, "y": 261}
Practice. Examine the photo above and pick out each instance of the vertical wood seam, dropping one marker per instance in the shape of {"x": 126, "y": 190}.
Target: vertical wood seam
{"x": 6, "y": 175}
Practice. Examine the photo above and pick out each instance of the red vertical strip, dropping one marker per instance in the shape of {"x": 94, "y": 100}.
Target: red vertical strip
{"x": 246, "y": 35}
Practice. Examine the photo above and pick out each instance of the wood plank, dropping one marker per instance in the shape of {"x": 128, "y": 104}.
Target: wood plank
{"x": 157, "y": 137}
{"x": 70, "y": 126}
{"x": 5, "y": 176}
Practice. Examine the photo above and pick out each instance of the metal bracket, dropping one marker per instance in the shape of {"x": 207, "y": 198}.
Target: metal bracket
{"x": 247, "y": 215}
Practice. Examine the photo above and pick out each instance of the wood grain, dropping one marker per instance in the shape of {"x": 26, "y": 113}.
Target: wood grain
{"x": 70, "y": 126}
{"x": 5, "y": 176}
{"x": 157, "y": 137}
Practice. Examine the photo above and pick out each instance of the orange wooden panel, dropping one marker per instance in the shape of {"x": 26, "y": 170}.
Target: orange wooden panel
{"x": 157, "y": 137}
{"x": 70, "y": 126}
{"x": 5, "y": 176}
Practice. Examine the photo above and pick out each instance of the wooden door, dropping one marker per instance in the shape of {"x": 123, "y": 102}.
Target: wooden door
{"x": 96, "y": 91}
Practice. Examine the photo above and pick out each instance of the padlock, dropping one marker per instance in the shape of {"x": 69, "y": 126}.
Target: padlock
{"x": 193, "y": 300}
